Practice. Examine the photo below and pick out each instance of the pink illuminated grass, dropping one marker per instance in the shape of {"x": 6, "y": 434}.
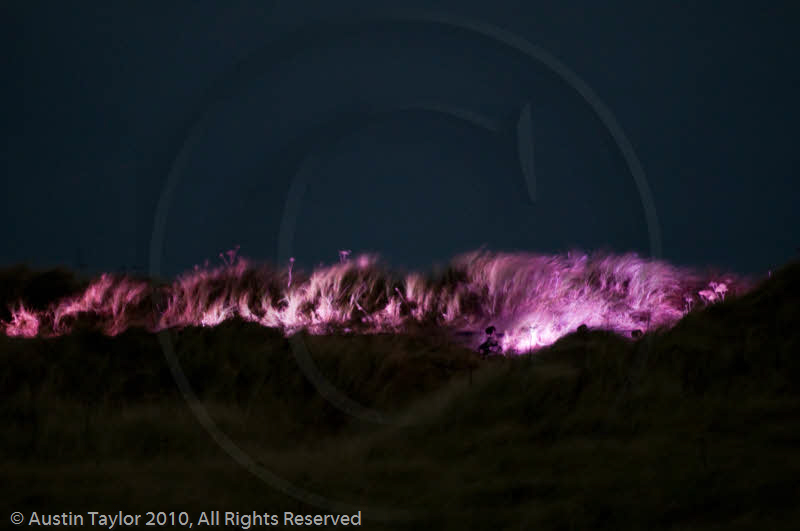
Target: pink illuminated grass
{"x": 532, "y": 299}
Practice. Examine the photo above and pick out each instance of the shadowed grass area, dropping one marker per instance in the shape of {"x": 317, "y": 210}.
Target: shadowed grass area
{"x": 35, "y": 289}
{"x": 696, "y": 427}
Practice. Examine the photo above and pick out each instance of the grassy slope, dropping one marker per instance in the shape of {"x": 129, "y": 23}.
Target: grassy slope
{"x": 692, "y": 428}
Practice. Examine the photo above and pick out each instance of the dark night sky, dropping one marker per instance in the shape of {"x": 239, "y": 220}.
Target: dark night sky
{"x": 404, "y": 133}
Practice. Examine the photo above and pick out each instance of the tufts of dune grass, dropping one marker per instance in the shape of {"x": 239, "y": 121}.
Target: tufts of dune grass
{"x": 695, "y": 427}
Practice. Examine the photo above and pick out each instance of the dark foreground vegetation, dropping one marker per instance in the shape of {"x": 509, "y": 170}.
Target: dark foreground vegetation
{"x": 697, "y": 427}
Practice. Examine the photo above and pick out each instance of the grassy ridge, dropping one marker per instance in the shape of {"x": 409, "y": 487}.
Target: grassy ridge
{"x": 696, "y": 427}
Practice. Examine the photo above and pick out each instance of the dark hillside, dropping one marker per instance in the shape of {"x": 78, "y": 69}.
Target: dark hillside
{"x": 695, "y": 427}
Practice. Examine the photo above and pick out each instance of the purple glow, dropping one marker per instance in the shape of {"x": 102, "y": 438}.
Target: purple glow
{"x": 23, "y": 323}
{"x": 533, "y": 299}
